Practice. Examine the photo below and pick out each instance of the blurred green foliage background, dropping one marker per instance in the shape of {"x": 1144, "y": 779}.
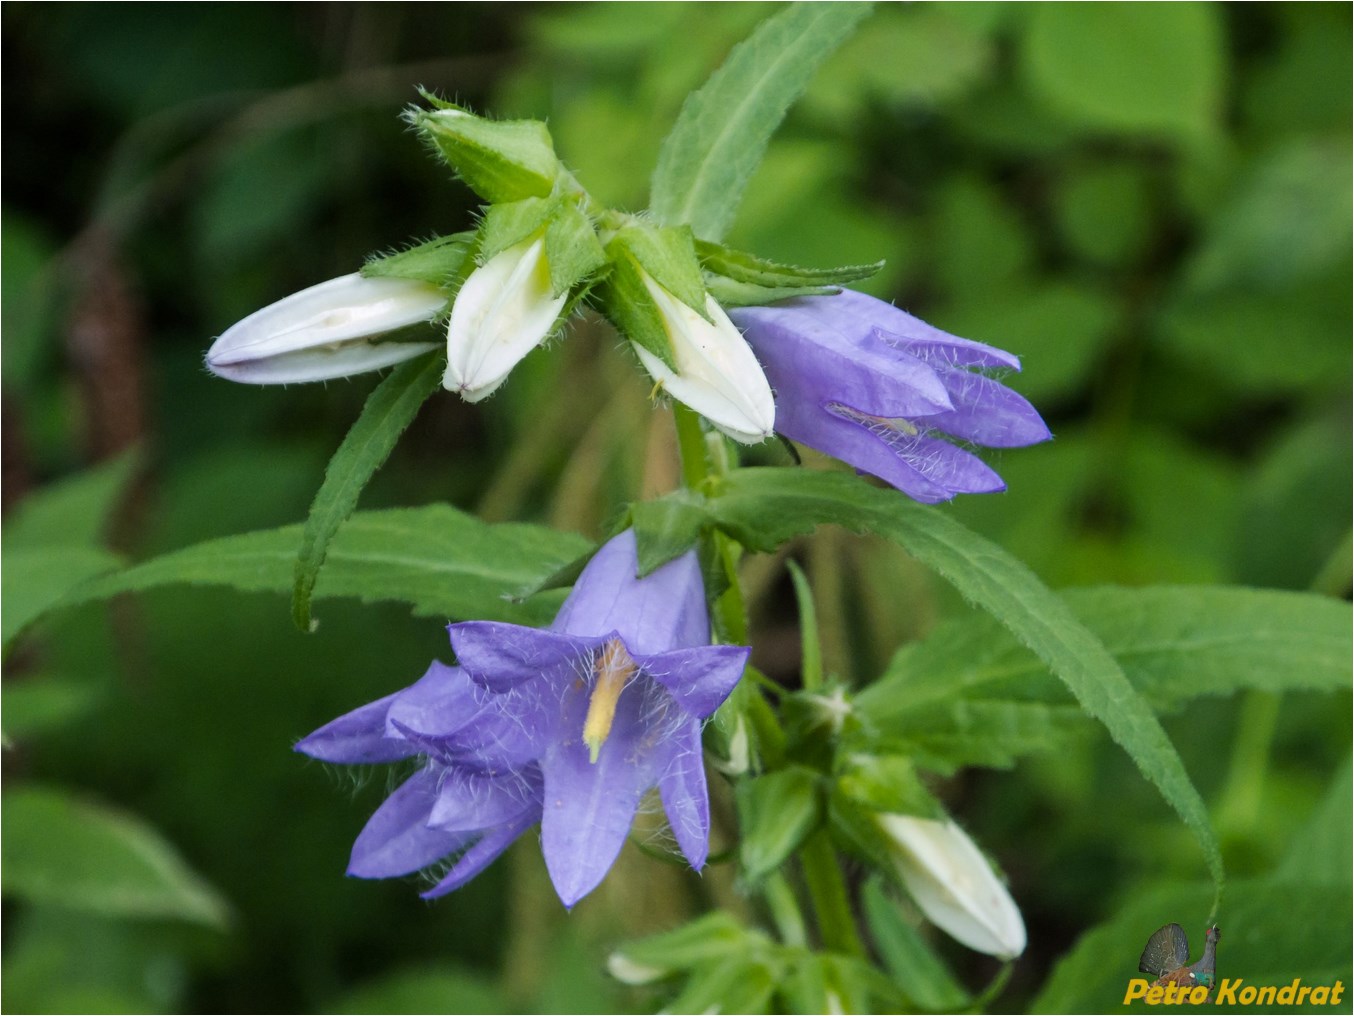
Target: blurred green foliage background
{"x": 1149, "y": 203}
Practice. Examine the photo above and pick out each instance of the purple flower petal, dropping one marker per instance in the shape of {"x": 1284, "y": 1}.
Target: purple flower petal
{"x": 468, "y": 801}
{"x": 663, "y": 610}
{"x": 987, "y": 412}
{"x": 482, "y": 854}
{"x": 357, "y": 737}
{"x": 442, "y": 701}
{"x": 501, "y": 656}
{"x": 589, "y": 806}
{"x": 685, "y": 797}
{"x": 813, "y": 361}
{"x": 864, "y": 314}
{"x": 857, "y": 378}
{"x": 397, "y": 839}
{"x": 699, "y": 679}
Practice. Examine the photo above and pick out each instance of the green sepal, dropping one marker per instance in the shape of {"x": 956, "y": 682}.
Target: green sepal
{"x": 664, "y": 254}
{"x": 887, "y": 783}
{"x": 500, "y": 160}
{"x": 626, "y": 302}
{"x": 443, "y": 261}
{"x": 668, "y": 255}
{"x": 776, "y": 812}
{"x": 740, "y": 266}
{"x": 509, "y": 223}
{"x": 738, "y": 279}
{"x": 742, "y": 294}
{"x": 572, "y": 249}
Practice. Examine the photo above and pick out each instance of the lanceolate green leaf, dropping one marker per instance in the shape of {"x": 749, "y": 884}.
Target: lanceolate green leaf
{"x": 1175, "y": 643}
{"x": 442, "y": 562}
{"x": 388, "y": 411}
{"x": 723, "y": 129}
{"x": 763, "y": 507}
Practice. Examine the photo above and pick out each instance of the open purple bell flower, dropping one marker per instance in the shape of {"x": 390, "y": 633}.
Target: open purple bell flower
{"x": 570, "y": 727}
{"x": 622, "y": 681}
{"x": 863, "y": 381}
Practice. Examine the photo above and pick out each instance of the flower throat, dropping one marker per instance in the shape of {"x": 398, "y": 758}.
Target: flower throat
{"x": 614, "y": 670}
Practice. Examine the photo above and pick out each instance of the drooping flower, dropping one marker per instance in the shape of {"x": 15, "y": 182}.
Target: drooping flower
{"x": 861, "y": 380}
{"x": 570, "y": 727}
{"x": 716, "y": 373}
{"x": 331, "y": 330}
{"x": 622, "y": 679}
{"x": 477, "y": 788}
{"x": 505, "y": 309}
{"x": 953, "y": 883}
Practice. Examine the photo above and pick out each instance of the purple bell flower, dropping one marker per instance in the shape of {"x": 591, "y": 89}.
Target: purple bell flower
{"x": 569, "y": 727}
{"x": 622, "y": 679}
{"x": 861, "y": 380}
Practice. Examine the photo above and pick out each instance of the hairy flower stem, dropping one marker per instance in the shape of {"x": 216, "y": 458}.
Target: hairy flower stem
{"x": 827, "y": 889}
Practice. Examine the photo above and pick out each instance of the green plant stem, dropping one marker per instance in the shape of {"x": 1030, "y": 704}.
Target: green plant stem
{"x": 691, "y": 445}
{"x": 827, "y": 889}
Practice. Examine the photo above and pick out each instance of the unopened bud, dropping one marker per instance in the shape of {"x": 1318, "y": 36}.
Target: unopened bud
{"x": 338, "y": 328}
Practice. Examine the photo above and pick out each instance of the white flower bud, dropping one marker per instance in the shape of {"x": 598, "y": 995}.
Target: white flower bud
{"x": 504, "y": 310}
{"x": 326, "y": 331}
{"x": 954, "y": 885}
{"x": 717, "y": 374}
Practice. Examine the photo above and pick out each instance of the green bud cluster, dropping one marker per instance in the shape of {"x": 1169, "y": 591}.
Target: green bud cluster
{"x": 604, "y": 257}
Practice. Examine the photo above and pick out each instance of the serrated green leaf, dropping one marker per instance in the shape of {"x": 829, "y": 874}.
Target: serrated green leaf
{"x": 442, "y": 562}
{"x": 763, "y": 507}
{"x": 72, "y": 512}
{"x": 1175, "y": 643}
{"x": 776, "y": 812}
{"x": 723, "y": 129}
{"x": 389, "y": 409}
{"x": 58, "y": 849}
{"x": 667, "y": 528}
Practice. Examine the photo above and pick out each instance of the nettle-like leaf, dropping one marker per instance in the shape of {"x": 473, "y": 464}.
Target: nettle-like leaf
{"x": 441, "y": 561}
{"x": 973, "y": 690}
{"x": 723, "y": 129}
{"x": 389, "y": 409}
{"x": 762, "y": 508}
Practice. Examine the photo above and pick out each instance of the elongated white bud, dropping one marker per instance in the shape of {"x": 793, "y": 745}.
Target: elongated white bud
{"x": 327, "y": 331}
{"x": 954, "y": 884}
{"x": 717, "y": 375}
